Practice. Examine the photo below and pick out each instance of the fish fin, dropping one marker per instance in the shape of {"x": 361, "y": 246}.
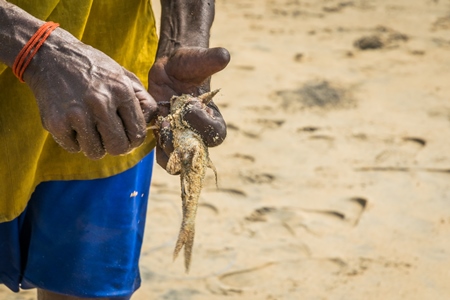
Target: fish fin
{"x": 212, "y": 167}
{"x": 208, "y": 96}
{"x": 173, "y": 166}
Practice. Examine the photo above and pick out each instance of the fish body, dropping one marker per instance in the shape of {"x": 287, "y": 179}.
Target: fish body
{"x": 190, "y": 159}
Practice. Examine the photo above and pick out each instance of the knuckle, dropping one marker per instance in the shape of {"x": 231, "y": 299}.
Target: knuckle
{"x": 99, "y": 103}
{"x": 75, "y": 116}
{"x": 124, "y": 85}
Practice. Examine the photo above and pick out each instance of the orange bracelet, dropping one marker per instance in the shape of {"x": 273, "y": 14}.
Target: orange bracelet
{"x": 31, "y": 48}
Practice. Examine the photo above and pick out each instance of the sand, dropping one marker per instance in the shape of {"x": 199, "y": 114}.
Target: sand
{"x": 335, "y": 175}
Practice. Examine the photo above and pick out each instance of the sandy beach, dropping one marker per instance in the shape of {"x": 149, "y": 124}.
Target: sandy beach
{"x": 334, "y": 180}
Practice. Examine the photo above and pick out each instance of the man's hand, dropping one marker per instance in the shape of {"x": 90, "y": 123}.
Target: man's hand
{"x": 188, "y": 71}
{"x": 87, "y": 101}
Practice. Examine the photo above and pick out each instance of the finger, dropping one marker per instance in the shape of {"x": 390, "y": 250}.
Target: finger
{"x": 89, "y": 140}
{"x": 159, "y": 83}
{"x": 146, "y": 101}
{"x": 148, "y": 104}
{"x": 164, "y": 145}
{"x": 62, "y": 133}
{"x": 132, "y": 117}
{"x": 161, "y": 157}
{"x": 208, "y": 122}
{"x": 163, "y": 108}
{"x": 112, "y": 132}
{"x": 68, "y": 140}
{"x": 197, "y": 64}
{"x": 165, "y": 137}
{"x": 134, "y": 124}
{"x": 108, "y": 124}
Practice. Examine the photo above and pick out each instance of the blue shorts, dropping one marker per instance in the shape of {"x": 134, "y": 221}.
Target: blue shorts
{"x": 81, "y": 238}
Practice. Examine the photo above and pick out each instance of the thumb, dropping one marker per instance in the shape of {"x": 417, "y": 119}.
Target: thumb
{"x": 197, "y": 64}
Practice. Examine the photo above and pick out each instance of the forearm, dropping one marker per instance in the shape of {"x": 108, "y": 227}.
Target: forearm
{"x": 185, "y": 24}
{"x": 16, "y": 28}
{"x": 184, "y": 65}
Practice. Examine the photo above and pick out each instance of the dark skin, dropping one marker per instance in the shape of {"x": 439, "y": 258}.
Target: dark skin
{"x": 97, "y": 107}
{"x": 91, "y": 104}
{"x": 209, "y": 122}
{"x": 86, "y": 100}
{"x": 184, "y": 65}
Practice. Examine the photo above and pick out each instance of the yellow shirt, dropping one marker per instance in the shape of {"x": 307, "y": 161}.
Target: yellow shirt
{"x": 123, "y": 29}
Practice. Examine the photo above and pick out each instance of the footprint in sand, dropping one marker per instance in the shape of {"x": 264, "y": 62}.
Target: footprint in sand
{"x": 388, "y": 153}
{"x": 308, "y": 129}
{"x": 321, "y": 143}
{"x": 233, "y": 191}
{"x": 255, "y": 128}
{"x": 291, "y": 277}
{"x": 289, "y": 222}
{"x": 243, "y": 157}
{"x": 346, "y": 213}
{"x": 270, "y": 124}
{"x": 247, "y": 133}
{"x": 256, "y": 177}
{"x": 402, "y": 152}
{"x": 317, "y": 138}
{"x": 184, "y": 294}
{"x": 300, "y": 276}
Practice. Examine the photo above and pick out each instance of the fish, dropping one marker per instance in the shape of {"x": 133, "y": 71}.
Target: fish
{"x": 190, "y": 159}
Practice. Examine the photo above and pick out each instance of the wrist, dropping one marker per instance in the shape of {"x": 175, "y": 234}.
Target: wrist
{"x": 58, "y": 48}
{"x": 17, "y": 27}
{"x": 184, "y": 24}
{"x": 32, "y": 47}
{"x": 13, "y": 37}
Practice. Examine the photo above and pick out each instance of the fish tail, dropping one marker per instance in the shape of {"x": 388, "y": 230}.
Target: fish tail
{"x": 180, "y": 243}
{"x": 189, "y": 243}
